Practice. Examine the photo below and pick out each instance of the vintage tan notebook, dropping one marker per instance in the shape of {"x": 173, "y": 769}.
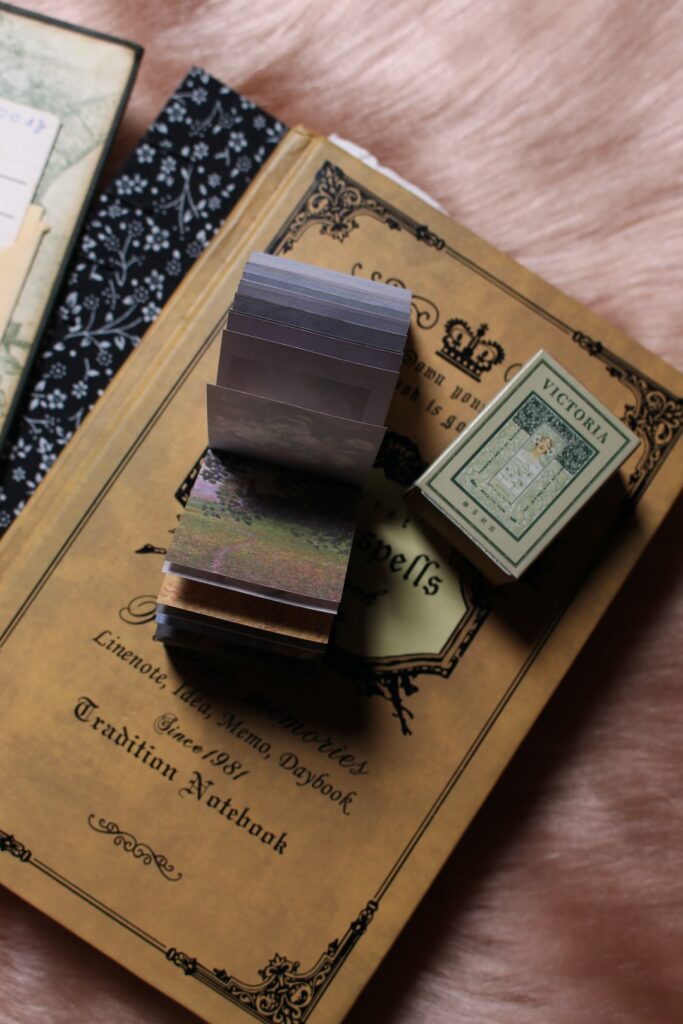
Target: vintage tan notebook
{"x": 251, "y": 844}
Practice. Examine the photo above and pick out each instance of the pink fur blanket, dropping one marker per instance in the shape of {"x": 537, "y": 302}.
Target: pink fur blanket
{"x": 555, "y": 131}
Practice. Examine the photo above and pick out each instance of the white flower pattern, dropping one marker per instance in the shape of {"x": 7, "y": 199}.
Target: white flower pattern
{"x": 141, "y": 236}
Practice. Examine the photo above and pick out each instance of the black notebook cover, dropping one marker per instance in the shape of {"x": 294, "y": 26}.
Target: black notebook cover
{"x": 141, "y": 237}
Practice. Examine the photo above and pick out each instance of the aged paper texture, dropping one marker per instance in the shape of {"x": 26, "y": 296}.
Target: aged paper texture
{"x": 252, "y": 843}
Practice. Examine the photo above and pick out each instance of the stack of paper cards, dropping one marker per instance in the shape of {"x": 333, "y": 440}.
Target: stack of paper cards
{"x": 309, "y": 362}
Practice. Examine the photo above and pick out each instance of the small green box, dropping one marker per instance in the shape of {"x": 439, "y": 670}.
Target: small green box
{"x": 522, "y": 469}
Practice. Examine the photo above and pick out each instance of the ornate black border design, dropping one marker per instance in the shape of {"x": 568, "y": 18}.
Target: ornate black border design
{"x": 656, "y": 416}
{"x": 334, "y": 201}
{"x": 140, "y": 851}
{"x": 285, "y": 994}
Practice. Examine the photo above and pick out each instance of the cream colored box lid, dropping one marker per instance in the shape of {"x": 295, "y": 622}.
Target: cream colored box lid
{"x": 527, "y": 464}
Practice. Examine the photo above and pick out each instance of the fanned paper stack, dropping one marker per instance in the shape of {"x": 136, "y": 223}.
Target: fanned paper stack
{"x": 309, "y": 362}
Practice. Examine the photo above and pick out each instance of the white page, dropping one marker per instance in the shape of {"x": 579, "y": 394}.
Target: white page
{"x": 27, "y": 136}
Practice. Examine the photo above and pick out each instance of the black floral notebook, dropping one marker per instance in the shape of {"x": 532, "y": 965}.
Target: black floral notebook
{"x": 142, "y": 236}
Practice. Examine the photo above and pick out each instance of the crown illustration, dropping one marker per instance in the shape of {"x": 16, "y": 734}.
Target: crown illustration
{"x": 471, "y": 352}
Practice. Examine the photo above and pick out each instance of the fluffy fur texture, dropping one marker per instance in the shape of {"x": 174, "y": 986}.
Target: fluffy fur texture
{"x": 553, "y": 130}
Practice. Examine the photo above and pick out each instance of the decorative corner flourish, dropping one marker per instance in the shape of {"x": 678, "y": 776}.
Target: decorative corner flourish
{"x": 655, "y": 415}
{"x": 332, "y": 203}
{"x": 285, "y": 994}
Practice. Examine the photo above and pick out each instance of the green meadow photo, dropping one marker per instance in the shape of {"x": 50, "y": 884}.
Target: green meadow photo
{"x": 270, "y": 527}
